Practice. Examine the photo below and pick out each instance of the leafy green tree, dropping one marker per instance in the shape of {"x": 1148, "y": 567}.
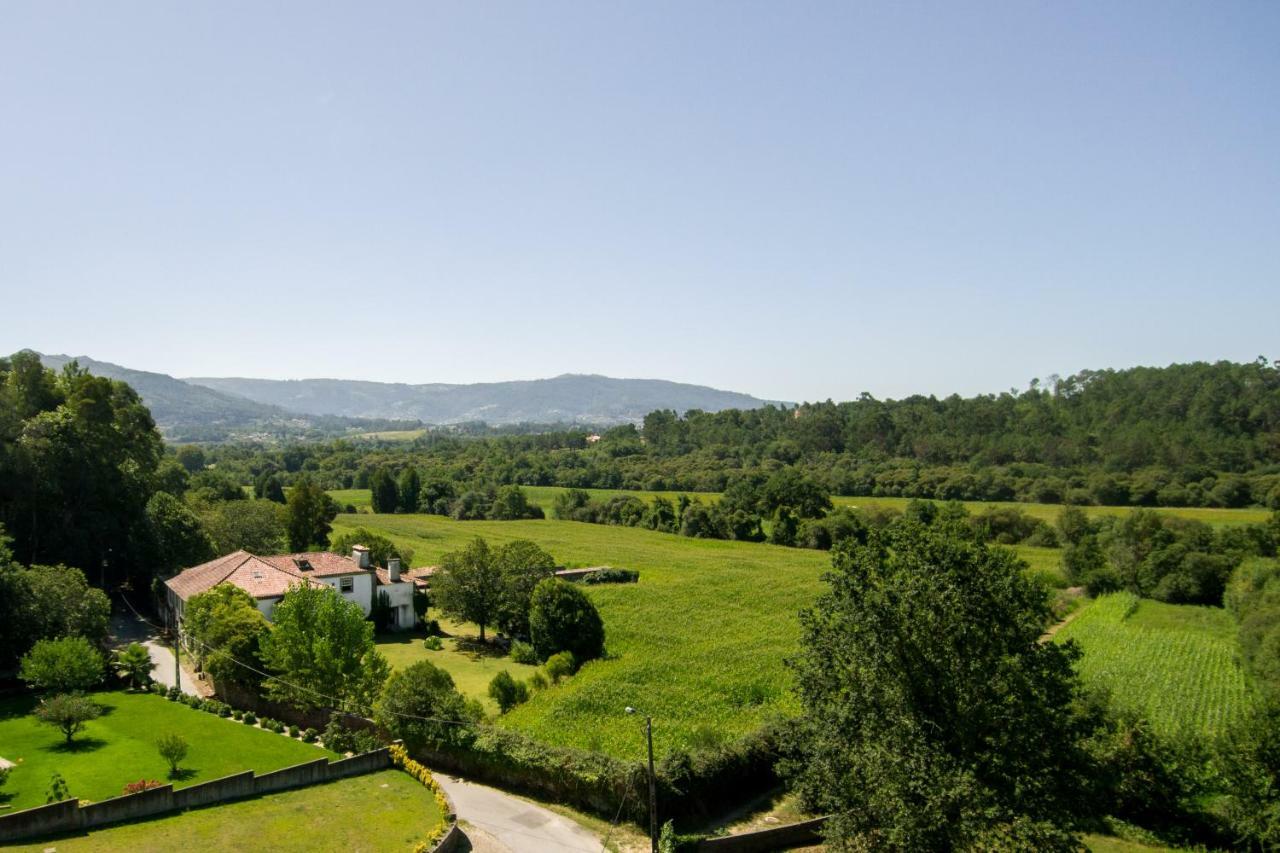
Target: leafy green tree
{"x": 790, "y": 488}
{"x": 258, "y": 526}
{"x": 57, "y": 601}
{"x": 511, "y": 504}
{"x": 1250, "y": 763}
{"x": 62, "y": 666}
{"x": 522, "y": 565}
{"x": 133, "y": 663}
{"x": 568, "y": 503}
{"x": 785, "y": 527}
{"x": 934, "y": 718}
{"x": 421, "y": 706}
{"x": 468, "y": 585}
{"x": 173, "y": 749}
{"x": 311, "y": 512}
{"x": 380, "y": 547}
{"x": 323, "y": 651}
{"x": 191, "y": 457}
{"x": 409, "y": 488}
{"x": 269, "y": 487}
{"x": 68, "y": 712}
{"x": 385, "y": 496}
{"x": 507, "y": 692}
{"x": 562, "y": 618}
{"x": 227, "y": 631}
{"x": 179, "y": 538}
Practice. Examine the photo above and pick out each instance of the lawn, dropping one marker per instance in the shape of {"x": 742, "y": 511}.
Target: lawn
{"x": 698, "y": 643}
{"x": 384, "y": 811}
{"x": 544, "y": 496}
{"x": 471, "y": 664}
{"x": 1176, "y": 664}
{"x": 119, "y": 747}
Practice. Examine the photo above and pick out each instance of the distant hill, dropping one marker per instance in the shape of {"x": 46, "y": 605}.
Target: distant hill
{"x": 570, "y": 398}
{"x": 187, "y": 412}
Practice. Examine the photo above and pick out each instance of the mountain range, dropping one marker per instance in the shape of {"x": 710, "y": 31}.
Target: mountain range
{"x": 215, "y": 409}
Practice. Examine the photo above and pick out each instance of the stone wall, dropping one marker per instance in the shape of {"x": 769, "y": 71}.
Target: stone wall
{"x": 69, "y": 816}
{"x": 775, "y": 838}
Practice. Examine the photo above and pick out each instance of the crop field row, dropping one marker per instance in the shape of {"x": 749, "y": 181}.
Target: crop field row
{"x": 699, "y": 643}
{"x": 544, "y": 496}
{"x": 1175, "y": 664}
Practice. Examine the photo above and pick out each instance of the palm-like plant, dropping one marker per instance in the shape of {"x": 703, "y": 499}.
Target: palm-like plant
{"x": 134, "y": 664}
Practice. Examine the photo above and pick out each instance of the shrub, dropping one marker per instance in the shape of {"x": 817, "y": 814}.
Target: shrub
{"x": 560, "y": 665}
{"x": 433, "y": 643}
{"x": 432, "y": 627}
{"x": 68, "y": 712}
{"x": 293, "y": 731}
{"x": 173, "y": 748}
{"x": 140, "y": 786}
{"x": 192, "y": 702}
{"x": 309, "y": 735}
{"x": 339, "y": 738}
{"x": 538, "y": 681}
{"x": 612, "y": 576}
{"x": 507, "y": 692}
{"x": 522, "y": 652}
{"x": 237, "y": 715}
{"x": 562, "y": 618}
{"x": 250, "y": 718}
{"x": 422, "y": 690}
{"x": 158, "y": 688}
{"x": 173, "y": 694}
{"x": 67, "y": 665}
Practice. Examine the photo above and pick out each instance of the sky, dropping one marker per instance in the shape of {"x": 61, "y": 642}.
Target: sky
{"x": 797, "y": 200}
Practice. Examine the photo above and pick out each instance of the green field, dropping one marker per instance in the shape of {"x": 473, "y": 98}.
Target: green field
{"x": 1176, "y": 664}
{"x": 698, "y": 643}
{"x": 385, "y": 811}
{"x": 472, "y": 666}
{"x": 119, "y": 747}
{"x": 544, "y": 496}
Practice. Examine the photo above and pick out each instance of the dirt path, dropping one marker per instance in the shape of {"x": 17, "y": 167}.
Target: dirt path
{"x": 1076, "y": 592}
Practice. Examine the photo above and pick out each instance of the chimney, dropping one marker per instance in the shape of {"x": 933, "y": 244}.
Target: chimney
{"x": 360, "y": 554}
{"x": 393, "y": 569}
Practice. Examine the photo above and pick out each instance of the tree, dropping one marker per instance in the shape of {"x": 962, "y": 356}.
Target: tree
{"x": 259, "y": 527}
{"x": 380, "y": 547}
{"x": 62, "y": 666}
{"x": 322, "y": 648}
{"x": 191, "y": 457}
{"x": 133, "y": 663}
{"x": 385, "y": 496}
{"x": 310, "y": 514}
{"x": 227, "y": 629}
{"x": 421, "y": 705}
{"x": 934, "y": 719}
{"x": 47, "y": 602}
{"x": 173, "y": 748}
{"x": 523, "y": 565}
{"x": 511, "y": 504}
{"x": 562, "y": 618}
{"x": 178, "y": 537}
{"x": 409, "y": 488}
{"x": 269, "y": 487}
{"x": 468, "y": 585}
{"x": 507, "y": 692}
{"x": 68, "y": 712}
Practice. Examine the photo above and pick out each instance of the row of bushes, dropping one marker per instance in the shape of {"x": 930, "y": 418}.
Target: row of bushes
{"x": 508, "y": 692}
{"x": 222, "y": 709}
{"x": 400, "y": 758}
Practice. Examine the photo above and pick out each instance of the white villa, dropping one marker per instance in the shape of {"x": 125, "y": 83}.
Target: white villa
{"x": 268, "y": 578}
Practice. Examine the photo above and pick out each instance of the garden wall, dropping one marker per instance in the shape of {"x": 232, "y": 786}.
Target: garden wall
{"x": 775, "y": 838}
{"x": 69, "y": 816}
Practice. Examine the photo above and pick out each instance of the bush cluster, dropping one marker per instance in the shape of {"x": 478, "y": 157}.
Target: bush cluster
{"x": 400, "y": 758}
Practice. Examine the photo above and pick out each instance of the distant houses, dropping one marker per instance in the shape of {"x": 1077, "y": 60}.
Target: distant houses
{"x": 268, "y": 578}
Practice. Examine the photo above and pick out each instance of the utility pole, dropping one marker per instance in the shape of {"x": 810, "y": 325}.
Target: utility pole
{"x": 653, "y": 784}
{"x": 177, "y": 657}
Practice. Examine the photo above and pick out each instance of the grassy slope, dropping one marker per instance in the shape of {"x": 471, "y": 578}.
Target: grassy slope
{"x": 698, "y": 643}
{"x": 471, "y": 665}
{"x": 1177, "y": 664}
{"x": 545, "y": 496}
{"x": 385, "y": 811}
{"x": 119, "y": 747}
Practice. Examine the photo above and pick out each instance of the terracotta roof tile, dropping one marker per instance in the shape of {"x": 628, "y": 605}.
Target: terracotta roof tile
{"x": 261, "y": 577}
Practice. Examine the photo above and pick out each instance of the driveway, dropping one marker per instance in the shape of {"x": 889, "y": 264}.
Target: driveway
{"x": 516, "y": 825}
{"x": 127, "y": 628}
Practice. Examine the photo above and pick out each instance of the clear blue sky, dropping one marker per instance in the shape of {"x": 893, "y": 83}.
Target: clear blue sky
{"x": 797, "y": 200}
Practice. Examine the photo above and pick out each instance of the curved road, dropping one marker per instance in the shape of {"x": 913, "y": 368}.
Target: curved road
{"x": 515, "y": 824}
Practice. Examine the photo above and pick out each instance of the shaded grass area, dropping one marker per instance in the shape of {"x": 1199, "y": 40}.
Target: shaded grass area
{"x": 1174, "y": 663}
{"x": 120, "y": 747}
{"x": 472, "y": 664}
{"x": 383, "y": 811}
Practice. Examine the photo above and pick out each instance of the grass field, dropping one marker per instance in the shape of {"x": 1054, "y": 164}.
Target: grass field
{"x": 1176, "y": 664}
{"x": 544, "y": 496}
{"x": 385, "y": 811}
{"x": 472, "y": 666}
{"x": 119, "y": 747}
{"x": 698, "y": 643}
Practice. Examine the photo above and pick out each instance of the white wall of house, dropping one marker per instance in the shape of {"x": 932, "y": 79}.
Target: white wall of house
{"x": 267, "y": 606}
{"x": 361, "y": 588}
{"x": 400, "y": 597}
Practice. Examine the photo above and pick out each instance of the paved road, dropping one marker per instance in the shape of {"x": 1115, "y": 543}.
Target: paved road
{"x": 515, "y": 824}
{"x": 127, "y": 628}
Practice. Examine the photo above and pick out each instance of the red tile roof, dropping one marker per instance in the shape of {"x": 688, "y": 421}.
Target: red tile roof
{"x": 261, "y": 577}
{"x": 418, "y": 576}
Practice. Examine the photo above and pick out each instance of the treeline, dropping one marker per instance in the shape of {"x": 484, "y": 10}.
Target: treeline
{"x": 1186, "y": 435}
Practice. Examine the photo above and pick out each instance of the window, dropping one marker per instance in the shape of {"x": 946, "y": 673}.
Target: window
{"x": 346, "y": 584}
